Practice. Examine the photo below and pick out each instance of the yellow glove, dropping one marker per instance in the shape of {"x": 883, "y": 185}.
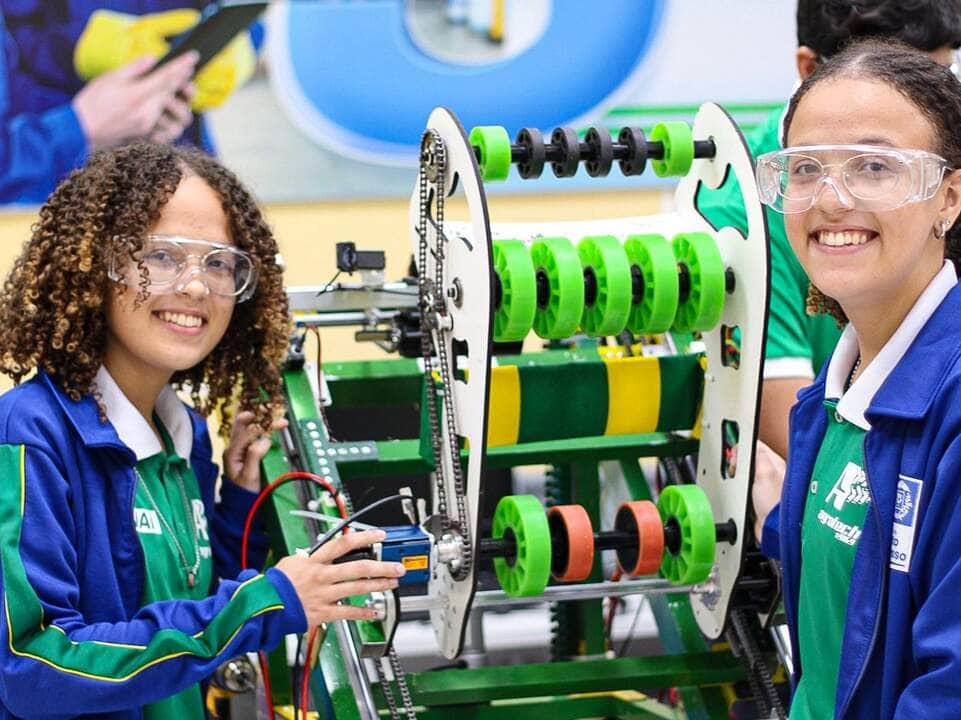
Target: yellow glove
{"x": 112, "y": 39}
{"x": 226, "y": 71}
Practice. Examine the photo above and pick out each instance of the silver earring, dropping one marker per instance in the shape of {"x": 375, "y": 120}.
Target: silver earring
{"x": 941, "y": 229}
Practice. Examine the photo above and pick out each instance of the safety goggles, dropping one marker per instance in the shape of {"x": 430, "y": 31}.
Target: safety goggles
{"x": 171, "y": 262}
{"x": 863, "y": 177}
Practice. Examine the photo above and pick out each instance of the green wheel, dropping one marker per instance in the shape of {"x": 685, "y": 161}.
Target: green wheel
{"x": 678, "y": 148}
{"x": 607, "y": 285}
{"x": 560, "y": 287}
{"x": 654, "y": 290}
{"x": 686, "y": 514}
{"x": 523, "y": 517}
{"x": 494, "y": 145}
{"x": 517, "y": 301}
{"x": 701, "y": 306}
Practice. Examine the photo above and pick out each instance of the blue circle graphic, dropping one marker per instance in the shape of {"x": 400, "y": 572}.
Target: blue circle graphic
{"x": 360, "y": 83}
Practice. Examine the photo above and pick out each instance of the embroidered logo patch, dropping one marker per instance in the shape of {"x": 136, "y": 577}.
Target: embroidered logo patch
{"x": 905, "y": 519}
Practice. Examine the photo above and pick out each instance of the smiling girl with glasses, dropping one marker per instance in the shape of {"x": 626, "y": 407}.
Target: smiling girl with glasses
{"x": 867, "y": 519}
{"x": 150, "y": 270}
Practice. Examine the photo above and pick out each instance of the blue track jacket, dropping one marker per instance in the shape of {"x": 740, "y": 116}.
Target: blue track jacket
{"x": 901, "y": 652}
{"x": 74, "y": 637}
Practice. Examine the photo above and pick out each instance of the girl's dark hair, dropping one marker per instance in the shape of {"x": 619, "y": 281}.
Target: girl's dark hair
{"x": 52, "y": 305}
{"x": 930, "y": 87}
{"x": 826, "y": 26}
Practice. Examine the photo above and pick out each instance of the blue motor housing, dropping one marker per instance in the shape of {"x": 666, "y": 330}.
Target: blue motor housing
{"x": 408, "y": 545}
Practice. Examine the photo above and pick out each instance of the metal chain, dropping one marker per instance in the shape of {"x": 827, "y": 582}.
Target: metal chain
{"x": 190, "y": 571}
{"x": 759, "y": 677}
{"x": 433, "y": 167}
{"x": 401, "y": 678}
{"x": 385, "y": 689}
{"x": 426, "y": 303}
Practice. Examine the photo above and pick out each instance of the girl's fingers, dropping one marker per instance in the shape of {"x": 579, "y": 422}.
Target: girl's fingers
{"x": 332, "y": 613}
{"x": 343, "y": 590}
{"x": 343, "y": 544}
{"x": 363, "y": 569}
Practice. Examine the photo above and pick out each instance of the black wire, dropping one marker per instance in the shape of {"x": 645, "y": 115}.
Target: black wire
{"x": 330, "y": 534}
{"x": 330, "y": 282}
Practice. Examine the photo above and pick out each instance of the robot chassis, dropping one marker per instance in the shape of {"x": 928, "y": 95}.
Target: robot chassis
{"x": 473, "y": 290}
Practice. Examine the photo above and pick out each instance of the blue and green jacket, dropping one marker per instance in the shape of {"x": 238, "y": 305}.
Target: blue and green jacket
{"x": 74, "y": 638}
{"x": 901, "y": 652}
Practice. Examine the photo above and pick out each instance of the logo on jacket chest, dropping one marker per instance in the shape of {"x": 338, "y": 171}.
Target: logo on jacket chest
{"x": 146, "y": 521}
{"x": 905, "y": 521}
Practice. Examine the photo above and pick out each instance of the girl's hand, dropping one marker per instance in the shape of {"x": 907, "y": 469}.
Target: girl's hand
{"x": 769, "y": 468}
{"x": 320, "y": 584}
{"x": 246, "y": 449}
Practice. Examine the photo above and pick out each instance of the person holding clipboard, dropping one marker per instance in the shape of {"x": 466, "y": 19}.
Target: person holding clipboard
{"x": 79, "y": 77}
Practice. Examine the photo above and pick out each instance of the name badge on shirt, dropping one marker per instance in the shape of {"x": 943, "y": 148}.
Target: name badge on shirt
{"x": 905, "y": 518}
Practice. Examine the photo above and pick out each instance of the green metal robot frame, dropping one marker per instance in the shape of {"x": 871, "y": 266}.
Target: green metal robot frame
{"x": 458, "y": 297}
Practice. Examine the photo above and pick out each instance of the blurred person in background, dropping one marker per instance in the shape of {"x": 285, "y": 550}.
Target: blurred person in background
{"x": 78, "y": 76}
{"x": 799, "y": 339}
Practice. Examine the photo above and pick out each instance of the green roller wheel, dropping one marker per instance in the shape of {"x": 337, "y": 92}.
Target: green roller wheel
{"x": 494, "y": 145}
{"x": 701, "y": 306}
{"x": 686, "y": 508}
{"x": 654, "y": 290}
{"x": 524, "y": 517}
{"x": 517, "y": 301}
{"x": 560, "y": 288}
{"x": 678, "y": 148}
{"x": 607, "y": 285}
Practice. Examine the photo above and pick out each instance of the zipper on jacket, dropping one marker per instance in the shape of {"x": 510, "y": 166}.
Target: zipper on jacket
{"x": 877, "y": 604}
{"x": 140, "y": 551}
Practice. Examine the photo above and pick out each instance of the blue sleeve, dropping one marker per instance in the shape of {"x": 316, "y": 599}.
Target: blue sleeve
{"x": 771, "y": 534}
{"x": 45, "y": 642}
{"x": 37, "y": 150}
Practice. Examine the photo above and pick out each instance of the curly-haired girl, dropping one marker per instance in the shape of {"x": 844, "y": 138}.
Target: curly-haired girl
{"x": 149, "y": 269}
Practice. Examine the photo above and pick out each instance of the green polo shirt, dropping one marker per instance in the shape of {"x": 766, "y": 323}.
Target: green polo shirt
{"x": 168, "y": 501}
{"x": 797, "y": 344}
{"x": 837, "y": 502}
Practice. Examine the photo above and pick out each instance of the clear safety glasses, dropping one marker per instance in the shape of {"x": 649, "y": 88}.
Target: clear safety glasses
{"x": 172, "y": 262}
{"x": 862, "y": 177}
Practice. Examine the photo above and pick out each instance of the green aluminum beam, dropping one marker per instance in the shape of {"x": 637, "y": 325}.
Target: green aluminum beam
{"x": 599, "y": 705}
{"x": 486, "y": 684}
{"x": 400, "y": 457}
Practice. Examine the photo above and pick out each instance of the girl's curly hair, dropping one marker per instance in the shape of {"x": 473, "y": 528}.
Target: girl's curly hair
{"x": 52, "y": 306}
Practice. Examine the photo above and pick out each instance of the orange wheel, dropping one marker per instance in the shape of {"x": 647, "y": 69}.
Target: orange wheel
{"x": 641, "y": 519}
{"x": 572, "y": 543}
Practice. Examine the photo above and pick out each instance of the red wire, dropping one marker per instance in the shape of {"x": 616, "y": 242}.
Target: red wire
{"x": 264, "y": 494}
{"x": 282, "y": 480}
{"x": 268, "y": 696}
{"x": 305, "y": 678}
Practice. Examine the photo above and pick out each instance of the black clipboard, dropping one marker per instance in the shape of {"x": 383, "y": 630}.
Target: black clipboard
{"x": 214, "y": 32}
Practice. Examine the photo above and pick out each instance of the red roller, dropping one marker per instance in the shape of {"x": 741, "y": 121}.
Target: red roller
{"x": 572, "y": 543}
{"x": 641, "y": 518}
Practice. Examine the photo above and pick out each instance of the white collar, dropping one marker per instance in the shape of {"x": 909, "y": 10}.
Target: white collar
{"x": 855, "y": 401}
{"x": 132, "y": 428}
